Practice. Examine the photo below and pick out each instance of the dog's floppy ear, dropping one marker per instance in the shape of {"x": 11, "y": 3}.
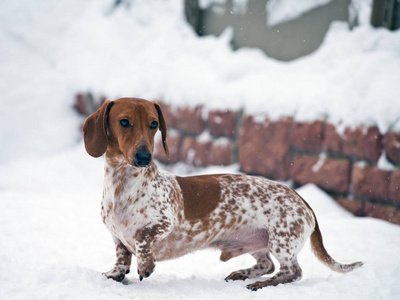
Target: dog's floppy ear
{"x": 95, "y": 130}
{"x": 163, "y": 128}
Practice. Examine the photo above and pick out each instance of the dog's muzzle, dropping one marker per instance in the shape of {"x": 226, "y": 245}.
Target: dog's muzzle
{"x": 142, "y": 158}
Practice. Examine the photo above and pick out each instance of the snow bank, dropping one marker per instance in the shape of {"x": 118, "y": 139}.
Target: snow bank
{"x": 51, "y": 50}
{"x": 286, "y": 10}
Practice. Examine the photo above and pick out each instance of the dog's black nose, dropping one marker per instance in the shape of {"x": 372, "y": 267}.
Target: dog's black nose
{"x": 142, "y": 158}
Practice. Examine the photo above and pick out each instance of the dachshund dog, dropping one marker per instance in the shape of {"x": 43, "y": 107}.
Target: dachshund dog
{"x": 155, "y": 215}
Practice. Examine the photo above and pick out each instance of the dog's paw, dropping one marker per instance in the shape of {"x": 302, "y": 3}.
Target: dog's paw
{"x": 145, "y": 268}
{"x": 238, "y": 275}
{"x": 117, "y": 273}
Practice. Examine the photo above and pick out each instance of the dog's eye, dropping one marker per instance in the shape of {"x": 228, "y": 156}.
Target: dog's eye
{"x": 125, "y": 123}
{"x": 154, "y": 125}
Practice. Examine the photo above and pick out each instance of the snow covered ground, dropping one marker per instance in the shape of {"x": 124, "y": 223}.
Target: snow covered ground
{"x": 53, "y": 244}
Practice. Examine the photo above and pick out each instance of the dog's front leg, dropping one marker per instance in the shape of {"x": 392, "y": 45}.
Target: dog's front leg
{"x": 123, "y": 262}
{"x": 145, "y": 239}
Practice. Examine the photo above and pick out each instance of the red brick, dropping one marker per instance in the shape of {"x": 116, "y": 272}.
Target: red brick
{"x": 370, "y": 182}
{"x": 330, "y": 174}
{"x": 188, "y": 119}
{"x": 195, "y": 152}
{"x": 264, "y": 147}
{"x": 221, "y": 153}
{"x": 384, "y": 212}
{"x": 222, "y": 123}
{"x": 394, "y": 186}
{"x": 174, "y": 142}
{"x": 187, "y": 149}
{"x": 308, "y": 136}
{"x": 356, "y": 207}
{"x": 391, "y": 142}
{"x": 84, "y": 104}
{"x": 168, "y": 114}
{"x": 361, "y": 142}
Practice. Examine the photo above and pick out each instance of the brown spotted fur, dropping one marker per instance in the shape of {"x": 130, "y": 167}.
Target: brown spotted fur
{"x": 155, "y": 215}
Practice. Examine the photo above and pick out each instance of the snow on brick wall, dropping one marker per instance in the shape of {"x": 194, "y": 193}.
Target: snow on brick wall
{"x": 359, "y": 166}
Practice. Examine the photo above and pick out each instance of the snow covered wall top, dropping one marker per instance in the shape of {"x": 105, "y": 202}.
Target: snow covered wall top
{"x": 50, "y": 50}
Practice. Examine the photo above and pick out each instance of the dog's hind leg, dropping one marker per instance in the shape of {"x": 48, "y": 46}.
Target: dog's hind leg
{"x": 289, "y": 271}
{"x": 263, "y": 266}
{"x": 253, "y": 241}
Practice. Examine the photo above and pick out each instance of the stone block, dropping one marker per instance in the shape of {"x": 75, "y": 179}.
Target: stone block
{"x": 330, "y": 174}
{"x": 264, "y": 147}
{"x": 384, "y": 212}
{"x": 174, "y": 142}
{"x": 84, "y": 104}
{"x": 188, "y": 120}
{"x": 355, "y": 206}
{"x": 391, "y": 142}
{"x": 196, "y": 152}
{"x": 308, "y": 136}
{"x": 361, "y": 142}
{"x": 221, "y": 153}
{"x": 168, "y": 114}
{"x": 370, "y": 182}
{"x": 222, "y": 123}
{"x": 394, "y": 186}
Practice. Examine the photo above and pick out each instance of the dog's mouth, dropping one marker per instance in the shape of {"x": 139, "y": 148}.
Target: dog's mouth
{"x": 136, "y": 165}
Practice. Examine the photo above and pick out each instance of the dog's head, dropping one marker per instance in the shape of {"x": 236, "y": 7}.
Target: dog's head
{"x": 126, "y": 127}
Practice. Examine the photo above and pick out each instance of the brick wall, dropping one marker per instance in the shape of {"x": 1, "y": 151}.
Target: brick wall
{"x": 344, "y": 164}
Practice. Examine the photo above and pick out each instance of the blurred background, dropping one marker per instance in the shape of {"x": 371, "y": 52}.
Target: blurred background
{"x": 300, "y": 91}
{"x": 304, "y": 92}
{"x": 285, "y": 30}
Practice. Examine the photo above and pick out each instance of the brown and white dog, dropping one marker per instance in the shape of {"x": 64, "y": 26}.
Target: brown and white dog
{"x": 155, "y": 215}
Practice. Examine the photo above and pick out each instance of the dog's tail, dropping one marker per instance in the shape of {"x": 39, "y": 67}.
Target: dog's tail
{"x": 320, "y": 252}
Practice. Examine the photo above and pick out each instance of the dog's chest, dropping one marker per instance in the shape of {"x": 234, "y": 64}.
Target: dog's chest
{"x": 132, "y": 201}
